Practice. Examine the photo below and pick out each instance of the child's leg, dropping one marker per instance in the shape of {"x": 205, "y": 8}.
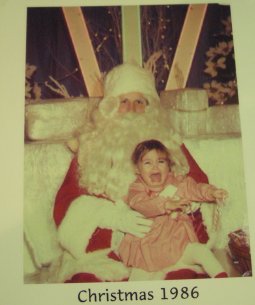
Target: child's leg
{"x": 196, "y": 253}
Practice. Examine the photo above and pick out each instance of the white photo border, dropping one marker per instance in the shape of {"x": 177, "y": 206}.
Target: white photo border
{"x": 232, "y": 291}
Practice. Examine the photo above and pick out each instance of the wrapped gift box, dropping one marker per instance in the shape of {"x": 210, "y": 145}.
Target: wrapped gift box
{"x": 240, "y": 251}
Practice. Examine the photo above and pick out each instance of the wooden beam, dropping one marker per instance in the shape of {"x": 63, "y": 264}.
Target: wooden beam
{"x": 131, "y": 34}
{"x": 186, "y": 47}
{"x": 84, "y": 50}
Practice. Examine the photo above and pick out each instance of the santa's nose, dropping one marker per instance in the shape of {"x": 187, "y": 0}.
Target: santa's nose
{"x": 131, "y": 107}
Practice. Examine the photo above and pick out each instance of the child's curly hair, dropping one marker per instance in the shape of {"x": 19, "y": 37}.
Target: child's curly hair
{"x": 143, "y": 147}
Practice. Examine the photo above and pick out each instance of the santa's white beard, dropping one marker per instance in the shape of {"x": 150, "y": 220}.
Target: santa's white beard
{"x": 104, "y": 155}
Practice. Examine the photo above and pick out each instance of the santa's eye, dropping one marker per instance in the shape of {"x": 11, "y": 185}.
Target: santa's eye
{"x": 141, "y": 102}
{"x": 124, "y": 101}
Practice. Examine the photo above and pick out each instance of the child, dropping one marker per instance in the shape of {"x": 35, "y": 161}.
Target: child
{"x": 170, "y": 240}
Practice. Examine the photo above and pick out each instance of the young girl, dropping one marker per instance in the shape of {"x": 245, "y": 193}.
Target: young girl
{"x": 171, "y": 239}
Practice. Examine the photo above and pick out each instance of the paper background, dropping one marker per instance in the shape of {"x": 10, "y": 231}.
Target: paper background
{"x": 233, "y": 291}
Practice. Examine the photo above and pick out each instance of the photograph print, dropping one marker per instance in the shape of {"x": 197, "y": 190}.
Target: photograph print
{"x": 133, "y": 163}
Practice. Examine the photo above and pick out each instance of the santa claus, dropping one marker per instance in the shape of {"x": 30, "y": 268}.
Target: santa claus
{"x": 89, "y": 211}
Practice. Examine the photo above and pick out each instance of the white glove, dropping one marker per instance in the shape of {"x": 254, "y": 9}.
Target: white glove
{"x": 126, "y": 220}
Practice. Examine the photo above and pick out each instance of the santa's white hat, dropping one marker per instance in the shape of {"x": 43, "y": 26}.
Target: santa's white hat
{"x": 123, "y": 79}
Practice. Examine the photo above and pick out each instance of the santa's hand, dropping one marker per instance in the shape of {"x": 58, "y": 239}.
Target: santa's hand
{"x": 133, "y": 223}
{"x": 120, "y": 217}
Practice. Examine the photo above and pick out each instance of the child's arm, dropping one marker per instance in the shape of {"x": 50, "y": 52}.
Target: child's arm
{"x": 200, "y": 192}
{"x": 149, "y": 207}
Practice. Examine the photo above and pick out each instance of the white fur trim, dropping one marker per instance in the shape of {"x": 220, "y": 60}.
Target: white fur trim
{"x": 85, "y": 214}
{"x": 44, "y": 168}
{"x": 124, "y": 79}
{"x": 96, "y": 263}
{"x": 127, "y": 78}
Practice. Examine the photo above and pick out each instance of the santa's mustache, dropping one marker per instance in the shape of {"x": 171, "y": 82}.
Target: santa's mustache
{"x": 131, "y": 120}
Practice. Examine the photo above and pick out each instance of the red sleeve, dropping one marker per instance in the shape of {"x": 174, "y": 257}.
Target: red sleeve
{"x": 194, "y": 191}
{"x": 145, "y": 203}
{"x": 68, "y": 191}
{"x": 149, "y": 207}
{"x": 195, "y": 171}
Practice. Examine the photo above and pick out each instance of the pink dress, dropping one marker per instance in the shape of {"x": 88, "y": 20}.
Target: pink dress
{"x": 165, "y": 243}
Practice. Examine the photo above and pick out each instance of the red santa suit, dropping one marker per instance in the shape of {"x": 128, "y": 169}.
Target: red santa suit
{"x": 90, "y": 227}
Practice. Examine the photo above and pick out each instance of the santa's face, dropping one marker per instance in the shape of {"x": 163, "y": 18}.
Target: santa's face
{"x": 154, "y": 169}
{"x": 132, "y": 102}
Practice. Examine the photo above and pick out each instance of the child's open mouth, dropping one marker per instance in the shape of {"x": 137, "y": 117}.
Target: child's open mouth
{"x": 155, "y": 177}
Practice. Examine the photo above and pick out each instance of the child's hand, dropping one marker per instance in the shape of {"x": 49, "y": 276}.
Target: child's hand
{"x": 175, "y": 204}
{"x": 220, "y": 195}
